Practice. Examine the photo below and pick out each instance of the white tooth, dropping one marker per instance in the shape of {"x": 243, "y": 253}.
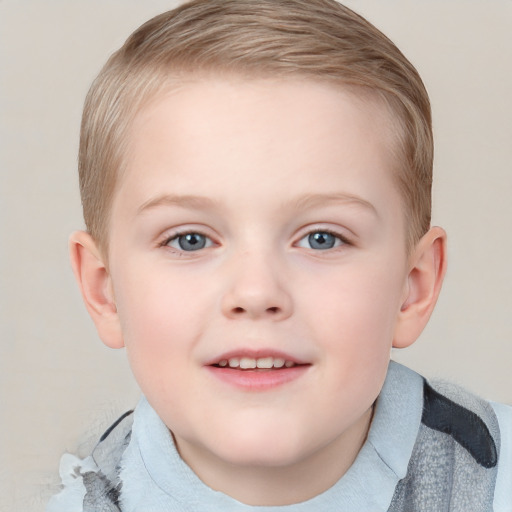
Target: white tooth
{"x": 289, "y": 364}
{"x": 247, "y": 362}
{"x": 264, "y": 362}
{"x": 278, "y": 363}
{"x": 234, "y": 362}
{"x": 224, "y": 362}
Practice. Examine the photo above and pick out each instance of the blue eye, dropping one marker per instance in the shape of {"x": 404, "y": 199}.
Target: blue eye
{"x": 189, "y": 242}
{"x": 321, "y": 240}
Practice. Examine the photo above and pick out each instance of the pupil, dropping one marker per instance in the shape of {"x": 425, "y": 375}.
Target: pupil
{"x": 192, "y": 242}
{"x": 321, "y": 240}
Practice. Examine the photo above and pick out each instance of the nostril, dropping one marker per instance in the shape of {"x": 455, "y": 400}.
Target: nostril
{"x": 273, "y": 309}
{"x": 238, "y": 310}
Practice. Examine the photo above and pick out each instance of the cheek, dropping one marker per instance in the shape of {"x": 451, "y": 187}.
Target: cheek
{"x": 358, "y": 305}
{"x": 160, "y": 319}
{"x": 353, "y": 323}
{"x": 155, "y": 303}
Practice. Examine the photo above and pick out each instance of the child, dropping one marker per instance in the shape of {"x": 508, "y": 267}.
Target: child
{"x": 255, "y": 178}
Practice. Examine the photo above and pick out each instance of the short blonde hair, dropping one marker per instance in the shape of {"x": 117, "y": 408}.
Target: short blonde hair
{"x": 312, "y": 39}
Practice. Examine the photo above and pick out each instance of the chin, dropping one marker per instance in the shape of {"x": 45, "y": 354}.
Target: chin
{"x": 261, "y": 449}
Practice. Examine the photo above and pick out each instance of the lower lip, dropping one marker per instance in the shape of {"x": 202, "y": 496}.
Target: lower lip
{"x": 258, "y": 380}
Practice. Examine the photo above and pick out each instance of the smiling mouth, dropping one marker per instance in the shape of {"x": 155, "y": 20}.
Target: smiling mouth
{"x": 261, "y": 363}
{"x": 257, "y": 372}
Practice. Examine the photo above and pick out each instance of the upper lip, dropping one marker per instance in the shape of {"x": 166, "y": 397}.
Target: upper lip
{"x": 255, "y": 354}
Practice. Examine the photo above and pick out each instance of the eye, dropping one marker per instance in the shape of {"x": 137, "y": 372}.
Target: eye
{"x": 189, "y": 242}
{"x": 321, "y": 240}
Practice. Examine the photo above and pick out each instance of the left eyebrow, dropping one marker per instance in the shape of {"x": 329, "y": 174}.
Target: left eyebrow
{"x": 316, "y": 200}
{"x": 183, "y": 201}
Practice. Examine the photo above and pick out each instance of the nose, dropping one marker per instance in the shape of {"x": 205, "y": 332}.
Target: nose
{"x": 256, "y": 289}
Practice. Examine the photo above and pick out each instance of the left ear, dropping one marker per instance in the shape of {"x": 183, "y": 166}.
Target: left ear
{"x": 427, "y": 264}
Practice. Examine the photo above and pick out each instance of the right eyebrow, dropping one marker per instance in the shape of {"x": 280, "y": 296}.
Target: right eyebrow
{"x": 316, "y": 200}
{"x": 183, "y": 201}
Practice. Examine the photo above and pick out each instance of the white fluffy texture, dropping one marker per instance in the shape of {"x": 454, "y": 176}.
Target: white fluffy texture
{"x": 71, "y": 498}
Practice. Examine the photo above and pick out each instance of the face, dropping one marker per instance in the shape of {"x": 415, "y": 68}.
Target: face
{"x": 258, "y": 264}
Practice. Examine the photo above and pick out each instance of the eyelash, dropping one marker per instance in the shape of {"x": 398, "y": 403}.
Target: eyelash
{"x": 179, "y": 234}
{"x": 338, "y": 236}
{"x": 343, "y": 240}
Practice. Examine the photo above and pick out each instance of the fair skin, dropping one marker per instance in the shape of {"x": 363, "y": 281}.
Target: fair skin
{"x": 259, "y": 223}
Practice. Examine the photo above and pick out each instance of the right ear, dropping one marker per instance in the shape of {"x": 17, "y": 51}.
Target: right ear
{"x": 95, "y": 283}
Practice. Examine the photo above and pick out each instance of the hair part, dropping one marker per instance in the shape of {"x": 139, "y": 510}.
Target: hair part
{"x": 304, "y": 39}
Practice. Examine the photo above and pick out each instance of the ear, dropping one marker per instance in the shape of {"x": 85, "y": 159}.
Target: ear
{"x": 95, "y": 283}
{"x": 427, "y": 267}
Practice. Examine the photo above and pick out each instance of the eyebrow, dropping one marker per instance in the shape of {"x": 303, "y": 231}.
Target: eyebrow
{"x": 185, "y": 201}
{"x": 316, "y": 200}
{"x": 302, "y": 203}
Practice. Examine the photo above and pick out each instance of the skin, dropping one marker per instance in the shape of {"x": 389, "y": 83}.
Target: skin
{"x": 256, "y": 167}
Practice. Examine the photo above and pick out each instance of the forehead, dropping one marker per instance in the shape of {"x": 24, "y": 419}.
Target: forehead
{"x": 222, "y": 137}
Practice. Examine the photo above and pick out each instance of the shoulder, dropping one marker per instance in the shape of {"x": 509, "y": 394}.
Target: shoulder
{"x": 457, "y": 456}
{"x": 71, "y": 496}
{"x": 93, "y": 481}
{"x": 482, "y": 428}
{"x": 465, "y": 417}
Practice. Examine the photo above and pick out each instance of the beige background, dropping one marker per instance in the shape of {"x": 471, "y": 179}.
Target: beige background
{"x": 59, "y": 385}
